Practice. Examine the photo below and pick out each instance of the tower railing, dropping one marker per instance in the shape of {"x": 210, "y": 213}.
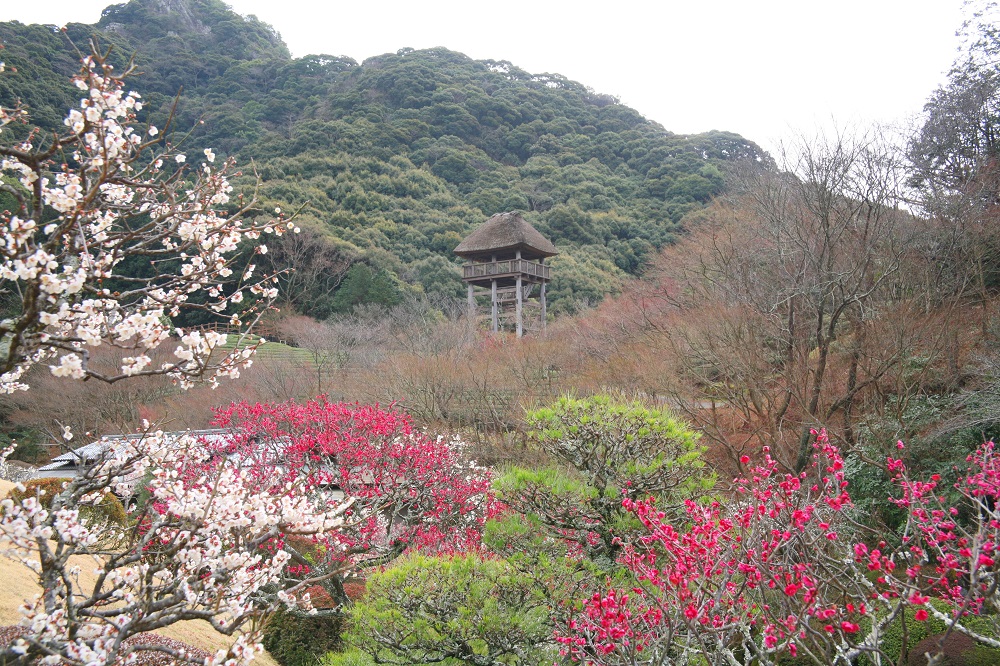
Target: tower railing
{"x": 505, "y": 267}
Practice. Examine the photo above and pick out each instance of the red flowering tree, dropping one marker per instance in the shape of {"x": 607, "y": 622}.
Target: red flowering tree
{"x": 409, "y": 490}
{"x": 783, "y": 570}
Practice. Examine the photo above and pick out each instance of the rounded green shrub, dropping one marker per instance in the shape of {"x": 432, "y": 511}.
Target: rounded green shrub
{"x": 295, "y": 640}
{"x": 916, "y": 632}
{"x": 956, "y": 650}
{"x": 108, "y": 510}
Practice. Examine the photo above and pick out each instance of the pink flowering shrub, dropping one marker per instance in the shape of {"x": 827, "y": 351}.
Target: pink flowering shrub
{"x": 294, "y": 498}
{"x": 783, "y": 569}
{"x": 409, "y": 490}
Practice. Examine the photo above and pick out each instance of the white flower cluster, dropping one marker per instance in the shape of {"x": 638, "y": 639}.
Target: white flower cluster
{"x": 118, "y": 201}
{"x": 200, "y": 553}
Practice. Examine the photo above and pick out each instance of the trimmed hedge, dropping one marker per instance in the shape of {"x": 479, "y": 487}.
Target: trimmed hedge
{"x": 294, "y": 640}
{"x": 892, "y": 638}
{"x": 958, "y": 650}
{"x": 352, "y": 657}
{"x": 109, "y": 510}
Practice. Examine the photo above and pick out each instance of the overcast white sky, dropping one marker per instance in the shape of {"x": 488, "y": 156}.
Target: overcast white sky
{"x": 765, "y": 69}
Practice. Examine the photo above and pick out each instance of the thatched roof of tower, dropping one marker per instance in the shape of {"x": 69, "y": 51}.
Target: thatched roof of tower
{"x": 505, "y": 231}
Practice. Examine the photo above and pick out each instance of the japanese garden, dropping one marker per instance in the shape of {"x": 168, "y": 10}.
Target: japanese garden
{"x": 433, "y": 360}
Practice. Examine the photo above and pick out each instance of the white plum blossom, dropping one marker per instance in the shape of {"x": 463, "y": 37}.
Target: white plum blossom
{"x": 209, "y": 547}
{"x": 70, "y": 365}
{"x": 118, "y": 201}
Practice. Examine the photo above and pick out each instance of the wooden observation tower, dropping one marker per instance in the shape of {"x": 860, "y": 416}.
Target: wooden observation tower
{"x": 506, "y": 261}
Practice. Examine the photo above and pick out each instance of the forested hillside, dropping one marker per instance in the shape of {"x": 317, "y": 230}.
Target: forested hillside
{"x": 392, "y": 161}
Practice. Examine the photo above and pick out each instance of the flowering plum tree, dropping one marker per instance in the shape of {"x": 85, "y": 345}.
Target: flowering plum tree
{"x": 783, "y": 571}
{"x": 105, "y": 195}
{"x": 82, "y": 210}
{"x": 211, "y": 550}
{"x": 554, "y": 534}
{"x": 408, "y": 490}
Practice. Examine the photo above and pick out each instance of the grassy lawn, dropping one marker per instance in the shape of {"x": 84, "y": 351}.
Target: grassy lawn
{"x": 272, "y": 349}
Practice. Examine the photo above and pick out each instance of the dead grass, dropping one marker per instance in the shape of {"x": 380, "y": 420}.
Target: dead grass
{"x": 19, "y": 583}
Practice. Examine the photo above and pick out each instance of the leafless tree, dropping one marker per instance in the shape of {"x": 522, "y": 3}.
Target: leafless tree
{"x": 794, "y": 301}
{"x": 315, "y": 265}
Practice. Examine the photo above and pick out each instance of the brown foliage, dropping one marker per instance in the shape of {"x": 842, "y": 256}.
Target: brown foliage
{"x": 807, "y": 301}
{"x": 87, "y": 407}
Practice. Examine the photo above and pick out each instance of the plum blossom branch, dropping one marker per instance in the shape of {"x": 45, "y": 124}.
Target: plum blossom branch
{"x": 208, "y": 548}
{"x": 92, "y": 204}
{"x": 781, "y": 569}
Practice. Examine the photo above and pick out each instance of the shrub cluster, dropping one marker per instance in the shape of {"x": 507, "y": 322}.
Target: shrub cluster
{"x": 295, "y": 640}
{"x": 108, "y": 511}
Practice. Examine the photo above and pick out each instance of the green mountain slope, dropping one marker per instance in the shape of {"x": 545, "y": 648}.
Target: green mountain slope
{"x": 392, "y": 161}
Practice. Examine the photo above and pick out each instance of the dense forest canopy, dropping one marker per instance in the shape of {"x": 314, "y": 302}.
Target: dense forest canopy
{"x": 392, "y": 161}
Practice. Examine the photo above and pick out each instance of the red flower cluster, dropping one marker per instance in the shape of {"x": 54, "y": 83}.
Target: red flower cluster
{"x": 409, "y": 489}
{"x": 769, "y": 571}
